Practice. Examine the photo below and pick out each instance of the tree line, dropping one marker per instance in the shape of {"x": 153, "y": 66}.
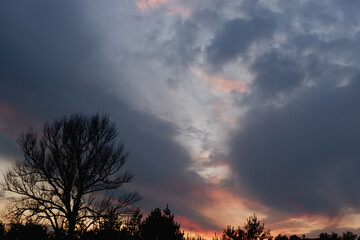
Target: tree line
{"x": 67, "y": 186}
{"x": 158, "y": 225}
{"x": 322, "y": 236}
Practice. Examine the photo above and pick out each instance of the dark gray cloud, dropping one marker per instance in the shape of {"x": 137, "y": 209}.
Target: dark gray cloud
{"x": 297, "y": 148}
{"x": 8, "y": 148}
{"x": 276, "y": 73}
{"x": 48, "y": 62}
{"x": 303, "y": 157}
{"x": 235, "y": 37}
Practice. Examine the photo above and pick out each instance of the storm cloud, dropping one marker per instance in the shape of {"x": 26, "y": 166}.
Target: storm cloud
{"x": 303, "y": 157}
{"x": 297, "y": 148}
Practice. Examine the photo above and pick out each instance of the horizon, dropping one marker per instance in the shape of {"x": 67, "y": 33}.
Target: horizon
{"x": 227, "y": 108}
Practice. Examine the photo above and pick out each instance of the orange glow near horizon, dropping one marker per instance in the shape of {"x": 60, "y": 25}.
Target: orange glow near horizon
{"x": 303, "y": 224}
{"x": 234, "y": 210}
{"x": 193, "y": 229}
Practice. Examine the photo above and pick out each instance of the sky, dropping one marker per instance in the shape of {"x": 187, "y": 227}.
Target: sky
{"x": 228, "y": 108}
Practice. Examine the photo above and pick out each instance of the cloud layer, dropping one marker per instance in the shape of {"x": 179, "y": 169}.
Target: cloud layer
{"x": 252, "y": 100}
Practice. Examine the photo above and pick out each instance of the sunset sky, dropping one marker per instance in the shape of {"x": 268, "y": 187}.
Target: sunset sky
{"x": 227, "y": 107}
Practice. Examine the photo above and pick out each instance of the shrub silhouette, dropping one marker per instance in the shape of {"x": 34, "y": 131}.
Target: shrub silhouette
{"x": 30, "y": 230}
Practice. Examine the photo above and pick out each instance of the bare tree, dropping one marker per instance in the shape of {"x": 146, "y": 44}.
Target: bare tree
{"x": 67, "y": 173}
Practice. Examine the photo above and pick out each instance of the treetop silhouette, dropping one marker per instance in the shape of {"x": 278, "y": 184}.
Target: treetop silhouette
{"x": 253, "y": 230}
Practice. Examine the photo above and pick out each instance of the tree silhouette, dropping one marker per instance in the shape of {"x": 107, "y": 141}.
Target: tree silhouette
{"x": 324, "y": 236}
{"x": 334, "y": 236}
{"x": 2, "y": 230}
{"x": 29, "y": 230}
{"x": 64, "y": 174}
{"x": 348, "y": 236}
{"x": 294, "y": 237}
{"x": 281, "y": 237}
{"x": 160, "y": 225}
{"x": 230, "y": 233}
{"x": 131, "y": 228}
{"x": 254, "y": 229}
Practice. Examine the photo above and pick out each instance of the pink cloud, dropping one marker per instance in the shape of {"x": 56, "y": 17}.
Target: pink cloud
{"x": 221, "y": 84}
{"x": 170, "y": 9}
{"x": 147, "y": 5}
{"x": 142, "y": 5}
{"x": 179, "y": 10}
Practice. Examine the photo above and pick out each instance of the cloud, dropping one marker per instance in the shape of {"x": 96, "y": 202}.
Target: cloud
{"x": 147, "y": 5}
{"x": 295, "y": 157}
{"x": 9, "y": 149}
{"x": 297, "y": 137}
{"x": 49, "y": 63}
{"x": 55, "y": 65}
{"x": 276, "y": 73}
{"x": 289, "y": 70}
{"x": 182, "y": 49}
{"x": 221, "y": 84}
{"x": 235, "y": 37}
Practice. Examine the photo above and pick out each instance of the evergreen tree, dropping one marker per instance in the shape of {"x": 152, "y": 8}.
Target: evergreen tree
{"x": 230, "y": 233}
{"x": 255, "y": 230}
{"x": 160, "y": 225}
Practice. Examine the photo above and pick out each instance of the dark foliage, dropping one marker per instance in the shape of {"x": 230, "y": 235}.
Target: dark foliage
{"x": 348, "y": 236}
{"x": 253, "y": 230}
{"x": 230, "y": 233}
{"x": 131, "y": 229}
{"x": 160, "y": 225}
{"x": 19, "y": 231}
{"x": 294, "y": 237}
{"x": 281, "y": 237}
{"x": 2, "y": 230}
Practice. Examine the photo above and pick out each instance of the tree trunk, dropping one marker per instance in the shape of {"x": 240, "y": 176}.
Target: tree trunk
{"x": 71, "y": 229}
